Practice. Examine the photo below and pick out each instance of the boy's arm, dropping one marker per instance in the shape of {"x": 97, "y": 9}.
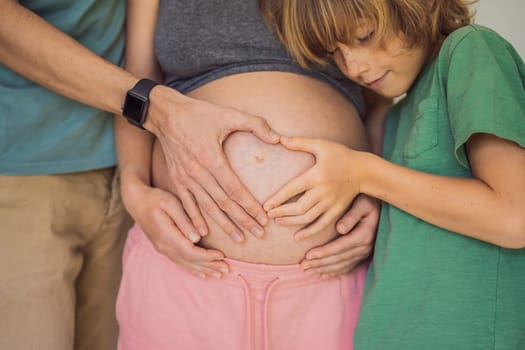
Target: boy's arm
{"x": 488, "y": 207}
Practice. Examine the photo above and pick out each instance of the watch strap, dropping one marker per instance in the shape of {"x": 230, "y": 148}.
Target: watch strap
{"x": 144, "y": 87}
{"x": 140, "y": 94}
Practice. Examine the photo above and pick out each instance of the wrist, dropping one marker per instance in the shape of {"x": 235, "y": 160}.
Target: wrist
{"x": 131, "y": 179}
{"x": 367, "y": 164}
{"x": 137, "y": 101}
{"x": 132, "y": 188}
{"x": 163, "y": 101}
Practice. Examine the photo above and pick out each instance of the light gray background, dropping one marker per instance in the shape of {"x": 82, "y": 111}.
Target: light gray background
{"x": 506, "y": 17}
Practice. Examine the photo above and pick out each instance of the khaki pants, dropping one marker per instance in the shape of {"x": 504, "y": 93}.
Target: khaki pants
{"x": 61, "y": 239}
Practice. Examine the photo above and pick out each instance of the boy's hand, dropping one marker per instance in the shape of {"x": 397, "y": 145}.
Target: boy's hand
{"x": 327, "y": 188}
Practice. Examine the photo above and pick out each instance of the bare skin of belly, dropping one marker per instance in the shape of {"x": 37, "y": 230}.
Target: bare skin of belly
{"x": 294, "y": 105}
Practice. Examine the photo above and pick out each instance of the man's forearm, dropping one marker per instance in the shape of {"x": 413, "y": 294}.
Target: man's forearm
{"x": 38, "y": 51}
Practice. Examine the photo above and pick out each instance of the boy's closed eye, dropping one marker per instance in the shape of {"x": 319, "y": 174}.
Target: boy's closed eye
{"x": 366, "y": 37}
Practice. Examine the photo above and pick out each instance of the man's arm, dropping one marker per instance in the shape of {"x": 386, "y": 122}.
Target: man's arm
{"x": 38, "y": 51}
{"x": 35, "y": 49}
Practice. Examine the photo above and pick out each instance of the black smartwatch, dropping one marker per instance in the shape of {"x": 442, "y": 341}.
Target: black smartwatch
{"x": 135, "y": 107}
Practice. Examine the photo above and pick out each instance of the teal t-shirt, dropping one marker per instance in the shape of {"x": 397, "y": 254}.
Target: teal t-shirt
{"x": 42, "y": 132}
{"x": 429, "y": 288}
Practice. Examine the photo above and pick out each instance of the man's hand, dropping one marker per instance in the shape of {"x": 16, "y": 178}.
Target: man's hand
{"x": 358, "y": 227}
{"x": 191, "y": 133}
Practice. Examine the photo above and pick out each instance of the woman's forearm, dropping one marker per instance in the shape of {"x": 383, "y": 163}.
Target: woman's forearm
{"x": 135, "y": 146}
{"x": 377, "y": 108}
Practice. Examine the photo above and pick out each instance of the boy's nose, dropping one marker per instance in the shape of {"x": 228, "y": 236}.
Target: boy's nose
{"x": 356, "y": 62}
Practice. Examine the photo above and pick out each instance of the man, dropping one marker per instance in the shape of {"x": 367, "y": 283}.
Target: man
{"x": 62, "y": 221}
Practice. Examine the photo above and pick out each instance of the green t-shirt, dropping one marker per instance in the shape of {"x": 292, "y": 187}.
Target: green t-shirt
{"x": 429, "y": 288}
{"x": 42, "y": 132}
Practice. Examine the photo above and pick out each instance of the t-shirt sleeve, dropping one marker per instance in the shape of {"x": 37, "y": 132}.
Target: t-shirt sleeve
{"x": 485, "y": 83}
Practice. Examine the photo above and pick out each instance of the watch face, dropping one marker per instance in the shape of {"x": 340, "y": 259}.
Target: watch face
{"x": 134, "y": 108}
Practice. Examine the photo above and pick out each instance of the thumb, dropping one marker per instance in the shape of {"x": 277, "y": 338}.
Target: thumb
{"x": 260, "y": 128}
{"x": 301, "y": 144}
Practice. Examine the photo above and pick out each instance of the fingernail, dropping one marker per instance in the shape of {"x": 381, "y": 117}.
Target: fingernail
{"x": 237, "y": 237}
{"x": 312, "y": 256}
{"x": 202, "y": 231}
{"x": 217, "y": 274}
{"x": 341, "y": 228}
{"x": 257, "y": 232}
{"x": 274, "y": 136}
{"x": 262, "y": 219}
{"x": 224, "y": 270}
{"x": 194, "y": 237}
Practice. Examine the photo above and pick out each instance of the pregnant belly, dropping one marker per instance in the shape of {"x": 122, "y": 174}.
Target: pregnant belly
{"x": 293, "y": 105}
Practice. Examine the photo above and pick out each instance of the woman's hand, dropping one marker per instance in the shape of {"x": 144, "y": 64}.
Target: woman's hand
{"x": 191, "y": 133}
{"x": 358, "y": 228}
{"x": 327, "y": 188}
{"x": 162, "y": 218}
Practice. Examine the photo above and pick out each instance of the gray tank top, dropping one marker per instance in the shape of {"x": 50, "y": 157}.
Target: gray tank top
{"x": 198, "y": 41}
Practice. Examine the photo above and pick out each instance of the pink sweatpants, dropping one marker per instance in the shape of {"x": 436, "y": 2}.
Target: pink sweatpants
{"x": 161, "y": 306}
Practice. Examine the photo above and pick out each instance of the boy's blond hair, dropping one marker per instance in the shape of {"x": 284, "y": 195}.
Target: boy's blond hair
{"x": 310, "y": 29}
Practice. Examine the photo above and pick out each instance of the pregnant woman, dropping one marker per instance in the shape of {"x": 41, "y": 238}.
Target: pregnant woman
{"x": 222, "y": 52}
